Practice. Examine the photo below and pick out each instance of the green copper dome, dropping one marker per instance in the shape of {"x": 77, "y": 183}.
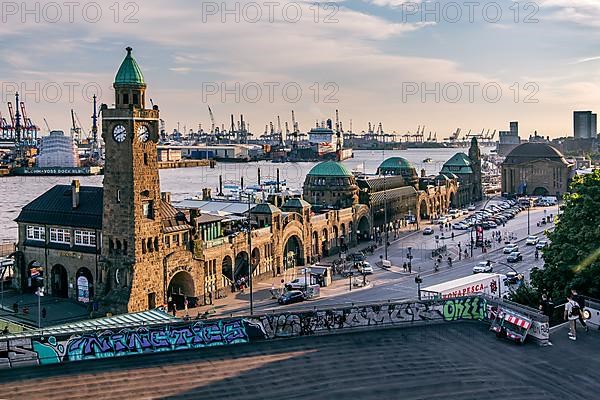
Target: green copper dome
{"x": 129, "y": 73}
{"x": 396, "y": 163}
{"x": 330, "y": 168}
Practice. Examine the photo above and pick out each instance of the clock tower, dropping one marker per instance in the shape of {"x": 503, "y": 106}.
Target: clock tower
{"x": 132, "y": 247}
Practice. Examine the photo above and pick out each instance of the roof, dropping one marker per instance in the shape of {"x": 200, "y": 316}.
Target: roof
{"x": 55, "y": 207}
{"x": 526, "y": 152}
{"x": 330, "y": 168}
{"x": 207, "y": 218}
{"x": 173, "y": 220}
{"x": 397, "y": 163}
{"x": 130, "y": 73}
{"x": 265, "y": 208}
{"x": 475, "y": 365}
{"x": 214, "y": 207}
{"x": 380, "y": 183}
{"x": 144, "y": 318}
{"x": 460, "y": 163}
{"x": 296, "y": 202}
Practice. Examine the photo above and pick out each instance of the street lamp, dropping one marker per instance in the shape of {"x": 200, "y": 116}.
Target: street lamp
{"x": 472, "y": 241}
{"x": 418, "y": 281}
{"x": 528, "y": 219}
{"x": 409, "y": 258}
{"x": 39, "y": 293}
{"x": 250, "y": 271}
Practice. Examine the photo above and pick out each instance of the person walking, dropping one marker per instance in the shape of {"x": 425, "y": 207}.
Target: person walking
{"x": 571, "y": 314}
{"x": 404, "y": 267}
{"x": 185, "y": 305}
{"x": 581, "y": 302}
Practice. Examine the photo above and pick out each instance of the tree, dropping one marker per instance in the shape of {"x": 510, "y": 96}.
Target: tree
{"x": 573, "y": 256}
{"x": 525, "y": 294}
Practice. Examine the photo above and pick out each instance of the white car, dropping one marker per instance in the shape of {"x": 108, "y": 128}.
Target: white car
{"x": 483, "y": 266}
{"x": 365, "y": 268}
{"x": 511, "y": 248}
{"x": 296, "y": 284}
{"x": 532, "y": 240}
{"x": 472, "y": 208}
{"x": 459, "y": 226}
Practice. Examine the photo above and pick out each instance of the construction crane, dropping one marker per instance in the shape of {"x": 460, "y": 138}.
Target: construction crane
{"x": 279, "y": 131}
{"x": 47, "y": 125}
{"x": 212, "y": 121}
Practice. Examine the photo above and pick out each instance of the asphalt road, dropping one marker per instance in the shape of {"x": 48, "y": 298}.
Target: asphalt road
{"x": 394, "y": 284}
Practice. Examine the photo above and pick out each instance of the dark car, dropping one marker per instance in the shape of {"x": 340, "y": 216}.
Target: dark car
{"x": 515, "y": 256}
{"x": 356, "y": 257}
{"x": 427, "y": 231}
{"x": 293, "y": 296}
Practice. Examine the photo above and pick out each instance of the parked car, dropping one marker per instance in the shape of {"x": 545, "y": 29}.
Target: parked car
{"x": 515, "y": 256}
{"x": 293, "y": 296}
{"x": 428, "y": 231}
{"x": 296, "y": 284}
{"x": 483, "y": 266}
{"x": 531, "y": 240}
{"x": 511, "y": 248}
{"x": 541, "y": 244}
{"x": 459, "y": 226}
{"x": 365, "y": 268}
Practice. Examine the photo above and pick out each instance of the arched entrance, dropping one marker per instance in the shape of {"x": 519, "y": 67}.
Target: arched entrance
{"x": 423, "y": 212}
{"x": 325, "y": 243}
{"x": 364, "y": 229}
{"x": 181, "y": 286}
{"x": 59, "y": 281}
{"x": 315, "y": 243}
{"x": 293, "y": 252}
{"x": 256, "y": 260}
{"x": 227, "y": 268}
{"x": 241, "y": 265}
{"x": 453, "y": 202}
{"x": 540, "y": 191}
{"x": 85, "y": 285}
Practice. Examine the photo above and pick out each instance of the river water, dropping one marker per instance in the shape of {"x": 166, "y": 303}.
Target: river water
{"x": 16, "y": 192}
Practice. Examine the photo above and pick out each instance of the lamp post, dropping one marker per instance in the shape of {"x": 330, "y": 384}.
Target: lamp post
{"x": 418, "y": 281}
{"x": 306, "y": 272}
{"x": 250, "y": 271}
{"x": 472, "y": 241}
{"x": 39, "y": 293}
{"x": 410, "y": 258}
{"x": 528, "y": 219}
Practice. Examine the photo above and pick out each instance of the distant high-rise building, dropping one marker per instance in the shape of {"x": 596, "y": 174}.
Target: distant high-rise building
{"x": 584, "y": 125}
{"x": 514, "y": 128}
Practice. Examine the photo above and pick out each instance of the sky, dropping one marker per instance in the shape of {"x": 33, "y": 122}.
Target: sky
{"x": 443, "y": 64}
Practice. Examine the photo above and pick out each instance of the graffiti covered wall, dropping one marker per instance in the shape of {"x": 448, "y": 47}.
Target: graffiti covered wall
{"x": 41, "y": 350}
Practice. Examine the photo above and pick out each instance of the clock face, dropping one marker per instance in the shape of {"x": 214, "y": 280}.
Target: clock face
{"x": 143, "y": 133}
{"x": 119, "y": 133}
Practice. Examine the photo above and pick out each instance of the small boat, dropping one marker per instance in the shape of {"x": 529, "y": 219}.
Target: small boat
{"x": 428, "y": 160}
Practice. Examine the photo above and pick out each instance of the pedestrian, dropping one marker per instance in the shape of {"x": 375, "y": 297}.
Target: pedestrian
{"x": 174, "y": 309}
{"x": 546, "y": 306}
{"x": 5, "y": 330}
{"x": 409, "y": 268}
{"x": 404, "y": 267}
{"x": 185, "y": 305}
{"x": 44, "y": 312}
{"x": 210, "y": 297}
{"x": 581, "y": 302}
{"x": 452, "y": 235}
{"x": 571, "y": 314}
{"x": 466, "y": 254}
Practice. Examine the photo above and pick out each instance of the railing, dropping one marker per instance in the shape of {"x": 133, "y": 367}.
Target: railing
{"x": 215, "y": 242}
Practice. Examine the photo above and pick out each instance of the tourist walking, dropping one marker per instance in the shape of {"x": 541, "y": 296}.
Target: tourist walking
{"x": 571, "y": 314}
{"x": 581, "y": 302}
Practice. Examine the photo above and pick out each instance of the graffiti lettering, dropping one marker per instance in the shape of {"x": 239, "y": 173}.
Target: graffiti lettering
{"x": 469, "y": 308}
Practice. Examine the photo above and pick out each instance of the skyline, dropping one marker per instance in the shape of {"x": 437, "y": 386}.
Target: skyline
{"x": 372, "y": 60}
